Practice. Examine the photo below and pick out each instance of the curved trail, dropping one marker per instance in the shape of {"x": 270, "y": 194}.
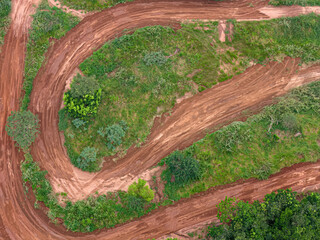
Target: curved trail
{"x": 252, "y": 89}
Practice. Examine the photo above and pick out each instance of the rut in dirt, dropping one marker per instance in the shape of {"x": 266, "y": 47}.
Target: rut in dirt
{"x": 19, "y": 219}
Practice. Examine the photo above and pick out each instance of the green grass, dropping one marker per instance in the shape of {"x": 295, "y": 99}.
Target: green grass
{"x": 5, "y": 8}
{"x": 136, "y": 92}
{"x": 295, "y": 2}
{"x": 47, "y": 23}
{"x": 257, "y": 157}
{"x": 91, "y": 5}
{"x": 226, "y": 156}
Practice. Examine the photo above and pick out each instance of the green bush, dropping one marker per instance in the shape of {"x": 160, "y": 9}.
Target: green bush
{"x": 280, "y": 216}
{"x": 82, "y": 86}
{"x": 78, "y": 122}
{"x": 181, "y": 169}
{"x": 5, "y": 8}
{"x": 83, "y": 107}
{"x": 23, "y": 127}
{"x": 113, "y": 134}
{"x": 295, "y": 2}
{"x": 154, "y": 58}
{"x": 140, "y": 189}
{"x": 228, "y": 138}
{"x": 290, "y": 123}
{"x": 87, "y": 160}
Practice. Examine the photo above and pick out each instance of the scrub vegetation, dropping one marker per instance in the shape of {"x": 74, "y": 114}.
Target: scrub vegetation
{"x": 141, "y": 75}
{"x": 280, "y": 136}
{"x": 5, "y": 8}
{"x": 295, "y": 2}
{"x": 281, "y": 215}
{"x": 48, "y": 24}
{"x": 91, "y": 5}
{"x": 274, "y": 144}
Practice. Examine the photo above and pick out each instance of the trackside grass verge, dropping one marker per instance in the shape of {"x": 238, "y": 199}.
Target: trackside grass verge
{"x": 5, "y": 8}
{"x": 295, "y": 2}
{"x": 142, "y": 75}
{"x": 272, "y": 143}
{"x": 280, "y": 136}
{"x": 91, "y": 5}
{"x": 48, "y": 23}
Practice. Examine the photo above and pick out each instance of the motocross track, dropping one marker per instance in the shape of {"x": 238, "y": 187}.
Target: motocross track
{"x": 208, "y": 110}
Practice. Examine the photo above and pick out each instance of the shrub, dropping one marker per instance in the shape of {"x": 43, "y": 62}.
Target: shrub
{"x": 290, "y": 123}
{"x": 5, "y": 8}
{"x": 154, "y": 58}
{"x": 84, "y": 97}
{"x": 23, "y": 127}
{"x": 78, "y": 122}
{"x": 183, "y": 168}
{"x": 229, "y": 137}
{"x": 114, "y": 134}
{"x": 87, "y": 159}
{"x": 140, "y": 189}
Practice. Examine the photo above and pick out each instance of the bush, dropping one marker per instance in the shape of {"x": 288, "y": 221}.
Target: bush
{"x": 183, "y": 168}
{"x": 78, "y": 122}
{"x": 290, "y": 123}
{"x": 140, "y": 189}
{"x": 154, "y": 58}
{"x": 279, "y": 216}
{"x": 83, "y": 99}
{"x": 87, "y": 159}
{"x": 114, "y": 134}
{"x": 229, "y": 137}
{"x": 5, "y": 8}
{"x": 23, "y": 127}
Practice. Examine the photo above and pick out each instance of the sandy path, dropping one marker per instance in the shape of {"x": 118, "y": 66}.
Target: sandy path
{"x": 19, "y": 220}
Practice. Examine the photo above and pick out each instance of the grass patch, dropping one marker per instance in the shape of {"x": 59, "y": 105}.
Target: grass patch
{"x": 48, "y": 23}
{"x": 5, "y": 8}
{"x": 91, "y": 5}
{"x": 271, "y": 143}
{"x": 295, "y": 2}
{"x": 142, "y": 74}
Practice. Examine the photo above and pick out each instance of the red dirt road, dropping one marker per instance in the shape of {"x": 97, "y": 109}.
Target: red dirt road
{"x": 250, "y": 90}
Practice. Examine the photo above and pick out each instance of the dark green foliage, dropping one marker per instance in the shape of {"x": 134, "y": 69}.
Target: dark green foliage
{"x": 5, "y": 8}
{"x": 82, "y": 86}
{"x": 92, "y": 5}
{"x": 23, "y": 127}
{"x": 295, "y": 2}
{"x": 87, "y": 161}
{"x": 140, "y": 189}
{"x": 82, "y": 107}
{"x": 154, "y": 58}
{"x": 181, "y": 169}
{"x": 113, "y": 134}
{"x": 47, "y": 23}
{"x": 280, "y": 216}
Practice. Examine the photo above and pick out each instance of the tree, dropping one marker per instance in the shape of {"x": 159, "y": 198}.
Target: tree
{"x": 23, "y": 127}
{"x": 87, "y": 159}
{"x": 113, "y": 134}
{"x": 84, "y": 97}
{"x": 140, "y": 189}
{"x": 280, "y": 216}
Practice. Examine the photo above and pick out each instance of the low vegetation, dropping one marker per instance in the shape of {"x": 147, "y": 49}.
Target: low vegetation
{"x": 5, "y": 8}
{"x": 48, "y": 24}
{"x": 280, "y": 136}
{"x": 295, "y": 2}
{"x": 274, "y": 143}
{"x": 97, "y": 211}
{"x": 91, "y": 5}
{"x": 142, "y": 75}
{"x": 281, "y": 215}
{"x": 23, "y": 127}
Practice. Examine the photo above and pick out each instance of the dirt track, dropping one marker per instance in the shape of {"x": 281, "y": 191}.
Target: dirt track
{"x": 250, "y": 90}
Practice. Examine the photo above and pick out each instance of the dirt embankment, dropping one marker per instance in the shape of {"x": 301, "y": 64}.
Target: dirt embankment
{"x": 188, "y": 122}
